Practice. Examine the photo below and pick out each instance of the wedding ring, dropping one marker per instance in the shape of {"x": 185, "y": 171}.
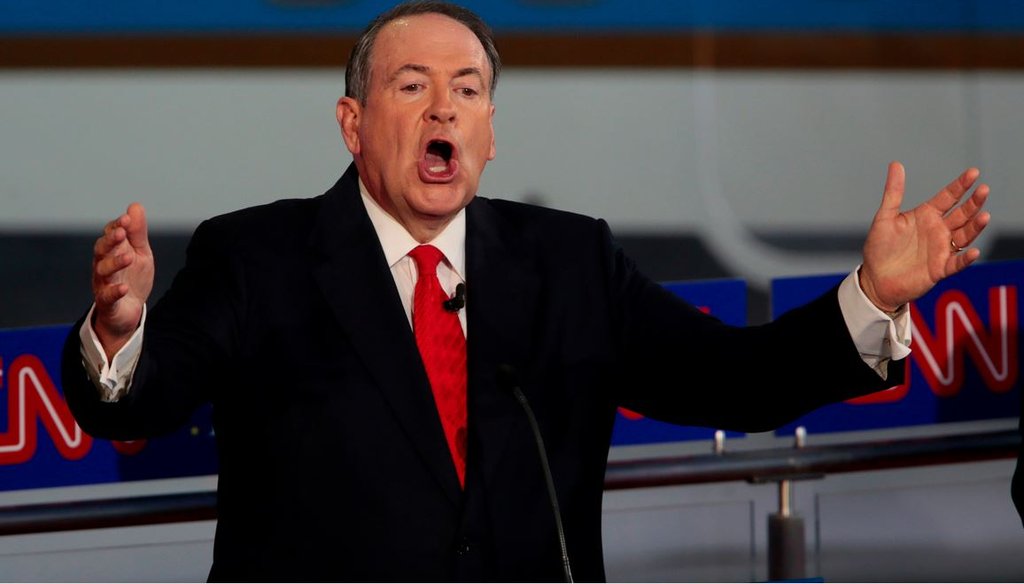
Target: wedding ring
{"x": 956, "y": 248}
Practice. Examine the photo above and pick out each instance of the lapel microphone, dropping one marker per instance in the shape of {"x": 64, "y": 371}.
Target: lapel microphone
{"x": 508, "y": 380}
{"x": 458, "y": 301}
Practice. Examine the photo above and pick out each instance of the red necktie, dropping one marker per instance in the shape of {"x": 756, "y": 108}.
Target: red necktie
{"x": 443, "y": 349}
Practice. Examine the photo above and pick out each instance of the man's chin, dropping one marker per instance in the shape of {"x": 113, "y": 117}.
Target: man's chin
{"x": 440, "y": 203}
{"x": 444, "y": 194}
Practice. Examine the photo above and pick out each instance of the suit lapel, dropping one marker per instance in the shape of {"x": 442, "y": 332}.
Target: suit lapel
{"x": 359, "y": 287}
{"x": 502, "y": 287}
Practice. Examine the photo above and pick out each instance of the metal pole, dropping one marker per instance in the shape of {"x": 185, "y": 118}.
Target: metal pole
{"x": 786, "y": 544}
{"x": 786, "y": 548}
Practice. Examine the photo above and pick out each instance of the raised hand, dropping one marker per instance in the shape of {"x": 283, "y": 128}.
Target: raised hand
{"x": 122, "y": 278}
{"x": 906, "y": 253}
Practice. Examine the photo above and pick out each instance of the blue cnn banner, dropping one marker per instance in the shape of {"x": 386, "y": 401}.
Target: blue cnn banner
{"x": 42, "y": 446}
{"x": 725, "y": 299}
{"x": 965, "y": 361}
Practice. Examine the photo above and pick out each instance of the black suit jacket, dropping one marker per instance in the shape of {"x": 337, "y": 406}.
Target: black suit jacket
{"x": 333, "y": 463}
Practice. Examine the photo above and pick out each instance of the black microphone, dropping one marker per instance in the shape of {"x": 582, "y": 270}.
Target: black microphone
{"x": 457, "y": 302}
{"x": 508, "y": 380}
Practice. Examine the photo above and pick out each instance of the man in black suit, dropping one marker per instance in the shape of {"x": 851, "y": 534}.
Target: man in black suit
{"x": 353, "y": 444}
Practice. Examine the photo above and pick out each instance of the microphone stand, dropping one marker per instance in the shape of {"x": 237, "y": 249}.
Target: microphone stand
{"x": 507, "y": 378}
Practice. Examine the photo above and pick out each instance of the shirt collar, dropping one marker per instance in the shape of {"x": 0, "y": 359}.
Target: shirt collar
{"x": 397, "y": 242}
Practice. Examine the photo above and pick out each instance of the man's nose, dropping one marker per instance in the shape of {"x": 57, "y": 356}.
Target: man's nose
{"x": 442, "y": 108}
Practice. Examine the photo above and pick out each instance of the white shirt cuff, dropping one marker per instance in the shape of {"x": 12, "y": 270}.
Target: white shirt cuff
{"x": 112, "y": 379}
{"x": 879, "y": 338}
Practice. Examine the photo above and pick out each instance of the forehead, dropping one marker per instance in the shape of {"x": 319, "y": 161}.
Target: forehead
{"x": 433, "y": 40}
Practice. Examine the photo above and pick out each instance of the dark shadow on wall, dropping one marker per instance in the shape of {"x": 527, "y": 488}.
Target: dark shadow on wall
{"x": 47, "y": 275}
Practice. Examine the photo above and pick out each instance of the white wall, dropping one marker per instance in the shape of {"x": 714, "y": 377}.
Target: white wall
{"x": 180, "y": 552}
{"x": 715, "y": 153}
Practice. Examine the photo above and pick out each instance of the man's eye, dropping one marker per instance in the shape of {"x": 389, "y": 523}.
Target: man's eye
{"x": 412, "y": 87}
{"x": 468, "y": 91}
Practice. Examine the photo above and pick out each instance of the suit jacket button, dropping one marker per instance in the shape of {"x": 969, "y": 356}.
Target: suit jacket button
{"x": 463, "y": 547}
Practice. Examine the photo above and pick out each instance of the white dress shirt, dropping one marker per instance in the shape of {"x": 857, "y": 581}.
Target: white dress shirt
{"x": 397, "y": 243}
{"x": 879, "y": 338}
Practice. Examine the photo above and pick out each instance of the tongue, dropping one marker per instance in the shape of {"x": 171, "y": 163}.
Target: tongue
{"x": 435, "y": 163}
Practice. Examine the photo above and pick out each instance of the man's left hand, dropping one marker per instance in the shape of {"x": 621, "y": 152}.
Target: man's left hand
{"x": 906, "y": 253}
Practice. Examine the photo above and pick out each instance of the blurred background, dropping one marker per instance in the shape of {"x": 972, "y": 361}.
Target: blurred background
{"x": 735, "y": 138}
{"x": 739, "y": 138}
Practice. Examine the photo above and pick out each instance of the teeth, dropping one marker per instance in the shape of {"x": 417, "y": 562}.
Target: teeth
{"x": 438, "y": 168}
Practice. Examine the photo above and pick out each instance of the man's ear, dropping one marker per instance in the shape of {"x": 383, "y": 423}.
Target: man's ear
{"x": 349, "y": 113}
{"x": 494, "y": 151}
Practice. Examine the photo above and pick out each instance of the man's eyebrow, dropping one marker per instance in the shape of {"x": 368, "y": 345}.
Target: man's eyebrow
{"x": 417, "y": 68}
{"x": 408, "y": 67}
{"x": 469, "y": 71}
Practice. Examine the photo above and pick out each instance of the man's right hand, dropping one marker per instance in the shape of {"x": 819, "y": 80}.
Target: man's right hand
{"x": 122, "y": 278}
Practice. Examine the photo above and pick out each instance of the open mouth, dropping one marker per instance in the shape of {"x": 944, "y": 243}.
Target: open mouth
{"x": 438, "y": 163}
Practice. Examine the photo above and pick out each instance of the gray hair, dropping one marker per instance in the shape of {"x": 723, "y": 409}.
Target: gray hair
{"x": 357, "y": 73}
